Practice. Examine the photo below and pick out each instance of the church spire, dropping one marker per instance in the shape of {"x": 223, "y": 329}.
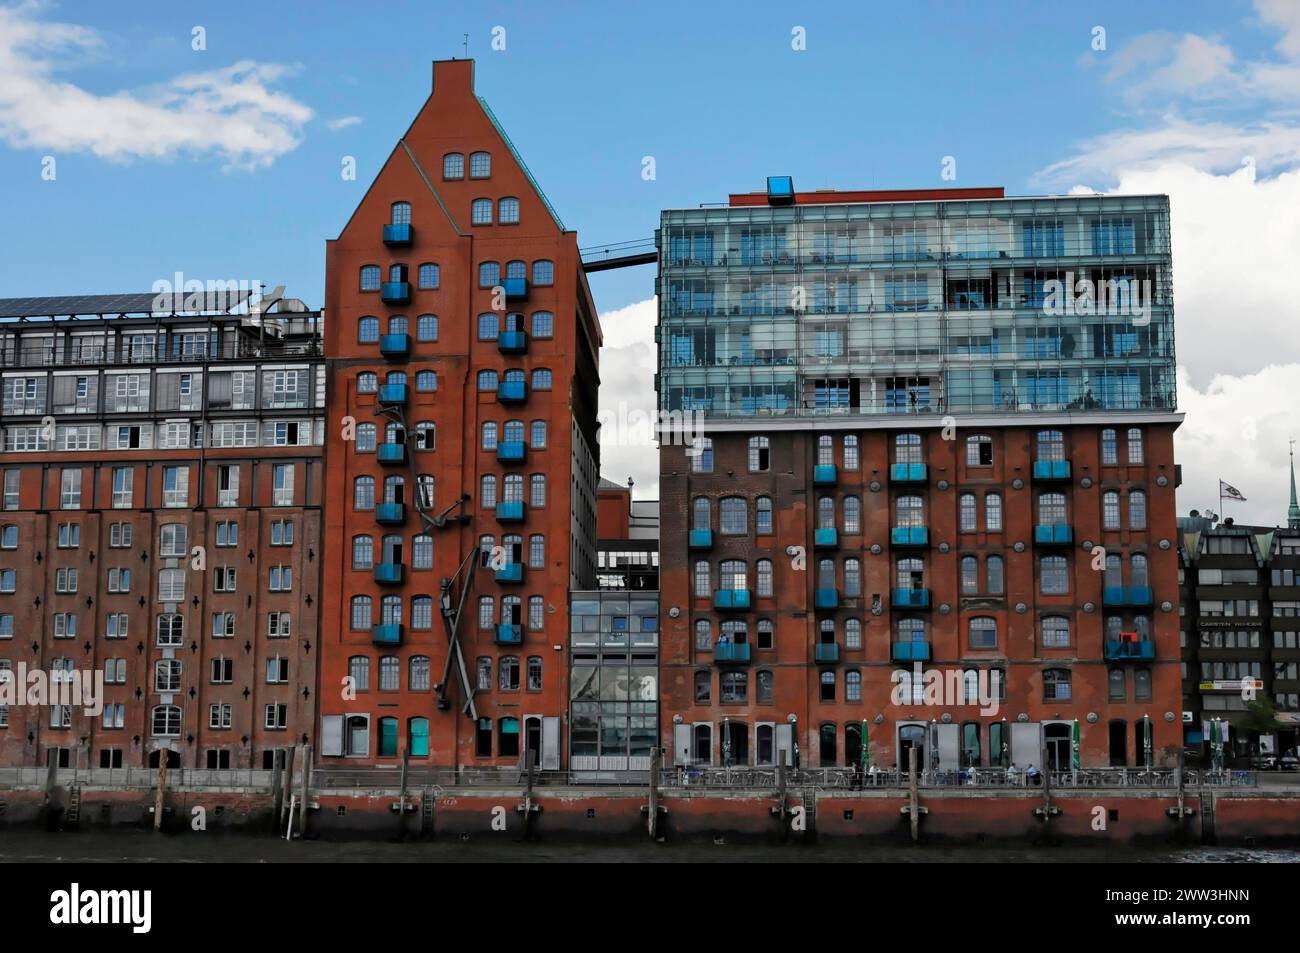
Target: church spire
{"x": 1293, "y": 511}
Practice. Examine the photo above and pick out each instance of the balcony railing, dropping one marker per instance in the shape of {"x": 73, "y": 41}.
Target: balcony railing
{"x": 824, "y": 474}
{"x": 390, "y": 574}
{"x": 911, "y": 599}
{"x": 516, "y": 289}
{"x": 1120, "y": 650}
{"x": 509, "y": 634}
{"x": 909, "y": 536}
{"x": 391, "y": 453}
{"x": 511, "y": 451}
{"x": 701, "y": 539}
{"x": 511, "y": 572}
{"x": 390, "y": 514}
{"x": 911, "y": 651}
{"x": 734, "y": 600}
{"x": 392, "y": 395}
{"x": 826, "y": 538}
{"x": 731, "y": 652}
{"x": 1053, "y": 534}
{"x": 1126, "y": 596}
{"x": 511, "y": 511}
{"x": 397, "y": 234}
{"x": 827, "y": 652}
{"x": 512, "y": 342}
{"x": 395, "y": 292}
{"x": 826, "y": 598}
{"x": 512, "y": 392}
{"x": 907, "y": 473}
{"x": 1046, "y": 471}
{"x": 387, "y": 634}
{"x": 395, "y": 345}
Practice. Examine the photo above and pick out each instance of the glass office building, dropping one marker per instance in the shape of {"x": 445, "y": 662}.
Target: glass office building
{"x": 970, "y": 306}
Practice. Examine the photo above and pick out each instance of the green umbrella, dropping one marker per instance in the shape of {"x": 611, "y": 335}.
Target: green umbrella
{"x": 726, "y": 744}
{"x": 1074, "y": 746}
{"x": 866, "y": 749}
{"x": 1214, "y": 745}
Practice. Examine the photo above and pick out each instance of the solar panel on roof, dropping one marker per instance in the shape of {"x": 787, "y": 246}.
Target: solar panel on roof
{"x": 58, "y": 306}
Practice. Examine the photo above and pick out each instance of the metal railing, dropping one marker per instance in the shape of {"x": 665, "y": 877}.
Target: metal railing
{"x": 138, "y": 778}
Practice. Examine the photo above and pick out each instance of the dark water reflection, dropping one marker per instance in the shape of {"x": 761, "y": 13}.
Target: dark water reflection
{"x": 135, "y": 847}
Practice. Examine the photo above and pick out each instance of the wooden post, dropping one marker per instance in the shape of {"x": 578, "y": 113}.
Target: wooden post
{"x": 652, "y": 821}
{"x": 913, "y": 794}
{"x": 288, "y": 782}
{"x": 302, "y": 801}
{"x": 277, "y": 790}
{"x": 401, "y": 794}
{"x": 162, "y": 787}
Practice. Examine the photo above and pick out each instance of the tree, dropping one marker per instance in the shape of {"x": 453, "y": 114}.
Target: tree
{"x": 1260, "y": 717}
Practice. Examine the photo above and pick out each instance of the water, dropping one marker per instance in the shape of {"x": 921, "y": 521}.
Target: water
{"x": 141, "y": 847}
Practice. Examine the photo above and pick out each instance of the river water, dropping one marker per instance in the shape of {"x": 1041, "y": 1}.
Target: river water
{"x": 141, "y": 847}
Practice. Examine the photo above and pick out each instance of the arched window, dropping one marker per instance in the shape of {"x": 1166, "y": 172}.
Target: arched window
{"x": 1110, "y": 509}
{"x": 370, "y": 278}
{"x": 397, "y": 324}
{"x": 979, "y": 450}
{"x": 853, "y": 633}
{"x": 362, "y": 613}
{"x": 1109, "y": 447}
{"x": 543, "y": 272}
{"x": 422, "y": 612}
{"x": 487, "y": 380}
{"x": 1114, "y": 574}
{"x": 480, "y": 212}
{"x": 487, "y": 496}
{"x": 1116, "y": 688}
{"x": 993, "y": 512}
{"x": 703, "y": 693}
{"x": 359, "y": 672}
{"x": 1136, "y": 453}
{"x": 537, "y": 435}
{"x": 763, "y": 515}
{"x": 825, "y": 450}
{"x": 489, "y": 435}
{"x": 760, "y": 454}
{"x": 363, "y": 493}
{"x": 426, "y": 381}
{"x": 367, "y": 382}
{"x": 1055, "y": 632}
{"x": 387, "y": 737}
{"x": 851, "y": 458}
{"x": 826, "y": 512}
{"x": 512, "y": 488}
{"x": 422, "y": 552}
{"x": 368, "y": 330}
{"x": 852, "y": 577}
{"x": 701, "y": 513}
{"x": 703, "y": 578}
{"x": 970, "y": 745}
{"x": 703, "y": 635}
{"x": 1051, "y": 445}
{"x": 397, "y": 272}
{"x": 489, "y": 326}
{"x": 165, "y": 721}
{"x": 734, "y": 574}
{"x": 390, "y": 673}
{"x": 537, "y": 490}
{"x": 1137, "y": 509}
{"x": 907, "y": 448}
{"x": 1056, "y": 685}
{"x": 733, "y": 517}
{"x": 852, "y": 514}
{"x": 429, "y": 276}
{"x": 763, "y": 569}
{"x": 970, "y": 575}
{"x": 909, "y": 511}
{"x": 516, "y": 269}
{"x": 453, "y": 166}
{"x": 1138, "y": 570}
{"x": 543, "y": 324}
{"x": 395, "y": 377}
{"x": 401, "y": 213}
{"x": 993, "y": 572}
{"x": 826, "y": 574}
{"x": 542, "y": 379}
{"x": 967, "y": 513}
{"x": 1051, "y": 508}
{"x": 910, "y": 573}
{"x": 513, "y": 432}
{"x": 426, "y": 328}
{"x": 827, "y": 694}
{"x": 1141, "y": 684}
{"x": 853, "y": 685}
{"x": 363, "y": 552}
{"x": 701, "y": 454}
{"x": 426, "y": 435}
{"x": 983, "y": 632}
{"x": 480, "y": 165}
{"x": 508, "y": 211}
{"x": 1054, "y": 575}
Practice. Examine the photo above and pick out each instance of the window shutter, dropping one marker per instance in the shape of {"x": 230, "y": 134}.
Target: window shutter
{"x": 331, "y": 736}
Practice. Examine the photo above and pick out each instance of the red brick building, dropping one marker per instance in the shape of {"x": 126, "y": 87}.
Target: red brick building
{"x": 161, "y": 528}
{"x": 908, "y": 468}
{"x": 461, "y": 502}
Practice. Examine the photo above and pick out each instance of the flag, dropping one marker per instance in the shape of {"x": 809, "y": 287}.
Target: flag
{"x": 1074, "y": 746}
{"x": 1230, "y": 491}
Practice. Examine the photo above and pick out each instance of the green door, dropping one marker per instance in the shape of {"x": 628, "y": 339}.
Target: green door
{"x": 419, "y": 740}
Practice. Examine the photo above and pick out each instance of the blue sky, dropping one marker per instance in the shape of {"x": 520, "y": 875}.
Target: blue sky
{"x": 224, "y": 163}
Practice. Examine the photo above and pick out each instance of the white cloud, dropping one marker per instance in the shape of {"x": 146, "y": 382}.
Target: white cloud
{"x": 334, "y": 125}
{"x": 231, "y": 112}
{"x": 628, "y": 360}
